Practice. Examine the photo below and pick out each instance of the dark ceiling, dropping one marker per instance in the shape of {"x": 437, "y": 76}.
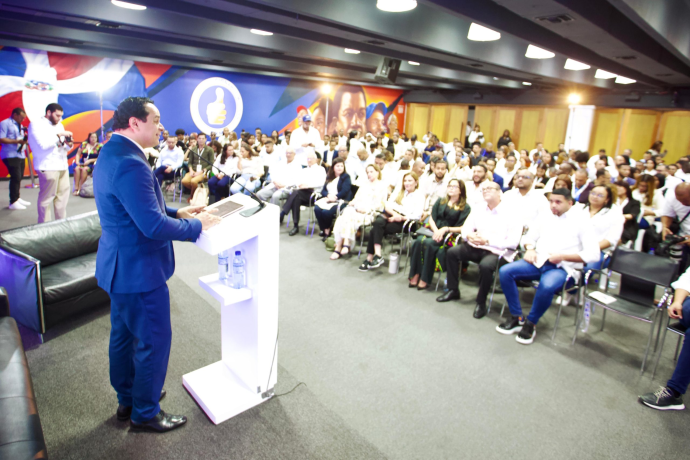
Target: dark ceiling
{"x": 644, "y": 40}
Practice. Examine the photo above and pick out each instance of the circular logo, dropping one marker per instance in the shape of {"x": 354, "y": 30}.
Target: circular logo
{"x": 216, "y": 104}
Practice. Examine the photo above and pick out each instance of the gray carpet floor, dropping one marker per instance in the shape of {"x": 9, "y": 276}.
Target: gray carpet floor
{"x": 388, "y": 372}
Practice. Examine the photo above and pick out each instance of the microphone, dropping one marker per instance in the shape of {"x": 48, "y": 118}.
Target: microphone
{"x": 248, "y": 212}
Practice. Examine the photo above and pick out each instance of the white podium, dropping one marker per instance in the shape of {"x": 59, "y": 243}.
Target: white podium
{"x": 247, "y": 372}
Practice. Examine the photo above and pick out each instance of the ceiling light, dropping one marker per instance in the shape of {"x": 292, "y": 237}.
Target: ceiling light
{"x": 260, "y": 32}
{"x": 396, "y": 6}
{"x": 495, "y": 78}
{"x": 526, "y": 83}
{"x": 624, "y": 80}
{"x": 326, "y": 88}
{"x": 479, "y": 33}
{"x": 571, "y": 64}
{"x": 129, "y": 6}
{"x": 574, "y": 98}
{"x": 534, "y": 52}
{"x": 413, "y": 63}
{"x": 604, "y": 74}
{"x": 351, "y": 51}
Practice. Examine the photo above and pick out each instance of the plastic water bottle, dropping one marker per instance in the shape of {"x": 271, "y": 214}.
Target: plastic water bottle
{"x": 238, "y": 272}
{"x": 223, "y": 267}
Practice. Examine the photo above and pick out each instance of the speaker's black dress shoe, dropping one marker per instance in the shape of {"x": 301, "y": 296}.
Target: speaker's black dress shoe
{"x": 124, "y": 412}
{"x": 282, "y": 217}
{"x": 294, "y": 231}
{"x": 448, "y": 296}
{"x": 479, "y": 311}
{"x": 161, "y": 423}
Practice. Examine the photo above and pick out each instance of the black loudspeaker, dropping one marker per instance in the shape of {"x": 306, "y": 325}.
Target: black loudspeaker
{"x": 387, "y": 72}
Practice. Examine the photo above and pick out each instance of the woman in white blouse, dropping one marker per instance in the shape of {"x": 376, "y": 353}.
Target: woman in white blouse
{"x": 651, "y": 200}
{"x": 370, "y": 198}
{"x": 408, "y": 204}
{"x": 227, "y": 163}
{"x": 476, "y": 135}
{"x": 605, "y": 218}
{"x": 251, "y": 167}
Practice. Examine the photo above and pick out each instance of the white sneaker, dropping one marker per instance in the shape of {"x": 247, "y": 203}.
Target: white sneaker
{"x": 17, "y": 205}
{"x": 24, "y": 202}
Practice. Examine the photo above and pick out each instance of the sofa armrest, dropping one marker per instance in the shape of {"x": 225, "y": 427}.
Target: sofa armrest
{"x": 21, "y": 278}
{"x": 4, "y": 303}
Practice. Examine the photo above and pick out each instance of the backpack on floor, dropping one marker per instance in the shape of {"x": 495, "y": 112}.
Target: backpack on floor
{"x": 200, "y": 197}
{"x": 87, "y": 188}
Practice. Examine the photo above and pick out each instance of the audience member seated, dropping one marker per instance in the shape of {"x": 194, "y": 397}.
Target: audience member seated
{"x": 489, "y": 232}
{"x": 227, "y": 163}
{"x": 330, "y": 153}
{"x": 670, "y": 181}
{"x": 631, "y": 211}
{"x": 197, "y": 168}
{"x": 556, "y": 246}
{"x": 338, "y": 187}
{"x": 283, "y": 178}
{"x": 170, "y": 158}
{"x": 251, "y": 169}
{"x": 605, "y": 219}
{"x": 475, "y": 196}
{"x": 625, "y": 172}
{"x": 561, "y": 181}
{"x": 311, "y": 177}
{"x": 86, "y": 157}
{"x": 581, "y": 185}
{"x": 670, "y": 397}
{"x": 434, "y": 187}
{"x": 491, "y": 166}
{"x": 370, "y": 198}
{"x": 508, "y": 172}
{"x": 271, "y": 155}
{"x": 651, "y": 200}
{"x": 565, "y": 169}
{"x": 447, "y": 216}
{"x": 540, "y": 175}
{"x": 408, "y": 204}
{"x": 527, "y": 202}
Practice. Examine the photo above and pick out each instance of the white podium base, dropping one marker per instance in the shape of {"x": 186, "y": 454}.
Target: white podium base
{"x": 219, "y": 393}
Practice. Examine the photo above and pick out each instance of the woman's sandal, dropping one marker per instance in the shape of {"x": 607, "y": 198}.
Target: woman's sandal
{"x": 334, "y": 253}
{"x": 344, "y": 253}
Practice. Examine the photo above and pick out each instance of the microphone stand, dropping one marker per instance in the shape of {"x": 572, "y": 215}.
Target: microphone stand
{"x": 247, "y": 212}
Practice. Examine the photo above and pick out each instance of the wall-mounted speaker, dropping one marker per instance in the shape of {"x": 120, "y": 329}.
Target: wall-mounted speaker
{"x": 387, "y": 71}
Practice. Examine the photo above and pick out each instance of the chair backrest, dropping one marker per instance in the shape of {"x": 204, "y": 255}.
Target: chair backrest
{"x": 641, "y": 273}
{"x": 353, "y": 189}
{"x": 53, "y": 242}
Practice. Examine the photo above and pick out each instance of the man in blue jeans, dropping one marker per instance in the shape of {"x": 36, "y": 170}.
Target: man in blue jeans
{"x": 670, "y": 397}
{"x": 556, "y": 246}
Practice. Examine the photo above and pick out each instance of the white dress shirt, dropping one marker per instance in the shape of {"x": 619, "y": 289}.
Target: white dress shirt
{"x": 475, "y": 196}
{"x": 607, "y": 223}
{"x": 300, "y": 137}
{"x": 497, "y": 225}
{"x": 683, "y": 282}
{"x": 657, "y": 203}
{"x": 287, "y": 174}
{"x": 43, "y": 140}
{"x": 271, "y": 159}
{"x": 528, "y": 207}
{"x": 674, "y": 208}
{"x": 313, "y": 176}
{"x": 412, "y": 204}
{"x": 230, "y": 166}
{"x": 171, "y": 157}
{"x": 433, "y": 190}
{"x": 476, "y": 137}
{"x": 506, "y": 175}
{"x": 565, "y": 234}
{"x": 682, "y": 176}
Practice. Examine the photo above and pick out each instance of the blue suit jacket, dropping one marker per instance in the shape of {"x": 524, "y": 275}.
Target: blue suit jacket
{"x": 344, "y": 188}
{"x": 135, "y": 253}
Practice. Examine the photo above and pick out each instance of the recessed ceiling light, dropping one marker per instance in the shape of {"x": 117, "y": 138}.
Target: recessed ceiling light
{"x": 260, "y": 32}
{"x": 604, "y": 74}
{"x": 413, "y": 63}
{"x": 396, "y": 6}
{"x": 130, "y": 6}
{"x": 534, "y": 52}
{"x": 351, "y": 51}
{"x": 571, "y": 64}
{"x": 526, "y": 83}
{"x": 574, "y": 98}
{"x": 624, "y": 80}
{"x": 479, "y": 33}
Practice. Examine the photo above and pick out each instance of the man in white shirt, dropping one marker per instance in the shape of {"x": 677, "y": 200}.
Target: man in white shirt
{"x": 670, "y": 182}
{"x": 488, "y": 233}
{"x": 557, "y": 245}
{"x": 170, "y": 158}
{"x": 312, "y": 177}
{"x": 356, "y": 166}
{"x": 50, "y": 144}
{"x": 508, "y": 171}
{"x": 435, "y": 187}
{"x": 415, "y": 144}
{"x": 684, "y": 172}
{"x": 528, "y": 203}
{"x": 565, "y": 168}
{"x": 270, "y": 155}
{"x": 330, "y": 153}
{"x": 677, "y": 206}
{"x": 304, "y": 140}
{"x": 396, "y": 146}
{"x": 474, "y": 187}
{"x": 283, "y": 176}
{"x": 225, "y": 138}
{"x": 165, "y": 134}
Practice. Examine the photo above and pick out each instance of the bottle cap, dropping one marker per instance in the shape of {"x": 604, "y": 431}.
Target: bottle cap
{"x": 238, "y": 253}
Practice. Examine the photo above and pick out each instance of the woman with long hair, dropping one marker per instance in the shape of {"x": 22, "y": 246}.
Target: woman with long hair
{"x": 504, "y": 139}
{"x": 370, "y": 198}
{"x": 227, "y": 162}
{"x": 407, "y": 205}
{"x": 631, "y": 211}
{"x": 540, "y": 177}
{"x": 338, "y": 187}
{"x": 251, "y": 167}
{"x": 605, "y": 218}
{"x": 476, "y": 135}
{"x": 447, "y": 216}
{"x": 86, "y": 157}
{"x": 651, "y": 200}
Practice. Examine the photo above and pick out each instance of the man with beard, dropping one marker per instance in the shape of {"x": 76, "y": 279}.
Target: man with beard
{"x": 475, "y": 196}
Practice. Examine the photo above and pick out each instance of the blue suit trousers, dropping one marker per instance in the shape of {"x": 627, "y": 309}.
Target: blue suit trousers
{"x": 139, "y": 349}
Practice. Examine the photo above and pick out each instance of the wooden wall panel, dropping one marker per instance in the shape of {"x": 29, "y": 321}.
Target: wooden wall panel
{"x": 505, "y": 119}
{"x": 439, "y": 121}
{"x": 529, "y": 129}
{"x": 674, "y": 132}
{"x": 638, "y": 131}
{"x": 606, "y": 129}
{"x": 417, "y": 120}
{"x": 457, "y": 121}
{"x": 555, "y": 124}
{"x": 484, "y": 117}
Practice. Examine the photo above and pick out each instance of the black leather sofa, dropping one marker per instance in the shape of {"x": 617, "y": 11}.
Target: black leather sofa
{"x": 49, "y": 270}
{"x": 21, "y": 435}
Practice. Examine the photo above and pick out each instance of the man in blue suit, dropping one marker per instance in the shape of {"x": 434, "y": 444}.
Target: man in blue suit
{"x": 135, "y": 259}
